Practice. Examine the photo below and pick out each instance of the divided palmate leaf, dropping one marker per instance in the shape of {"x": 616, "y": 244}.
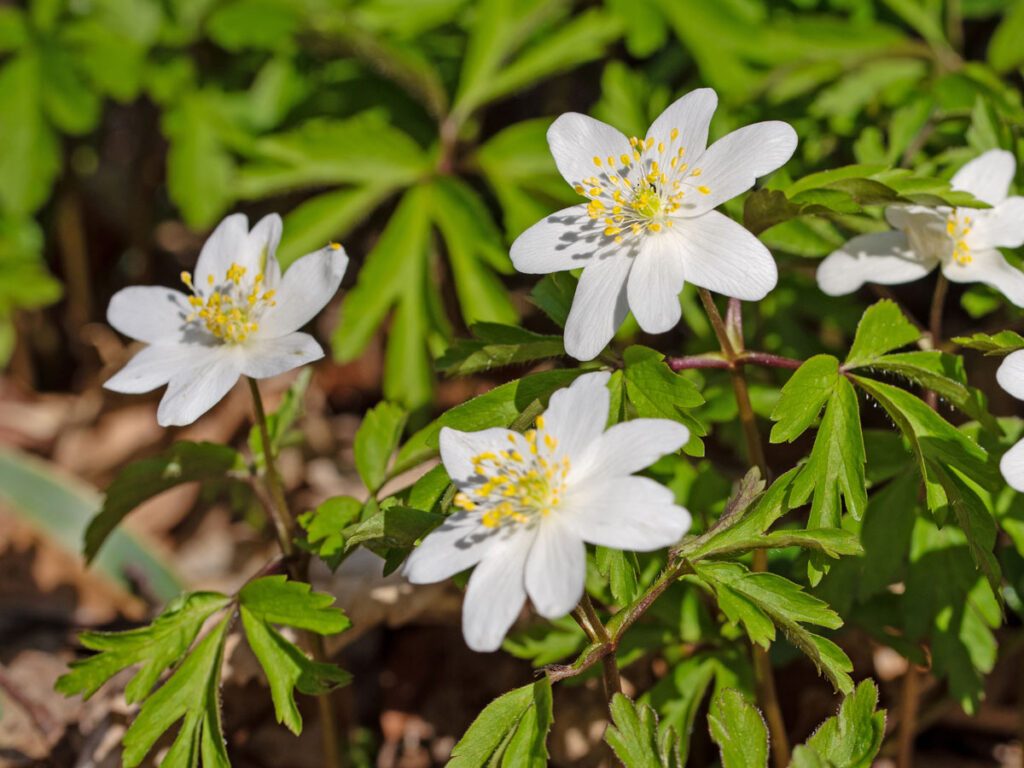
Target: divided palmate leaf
{"x": 881, "y": 329}
{"x": 153, "y": 648}
{"x": 511, "y": 731}
{"x": 273, "y": 600}
{"x": 762, "y": 601}
{"x": 181, "y": 463}
{"x": 637, "y": 738}
{"x": 325, "y": 527}
{"x": 1002, "y": 343}
{"x": 852, "y": 738}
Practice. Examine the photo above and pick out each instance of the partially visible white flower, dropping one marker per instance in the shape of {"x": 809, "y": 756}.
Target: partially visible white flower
{"x": 529, "y": 502}
{"x": 650, "y": 224}
{"x": 1011, "y": 378}
{"x": 240, "y": 318}
{"x": 961, "y": 241}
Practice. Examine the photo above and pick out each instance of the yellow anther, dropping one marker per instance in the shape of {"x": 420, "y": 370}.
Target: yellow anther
{"x": 595, "y": 191}
{"x": 580, "y": 189}
{"x": 696, "y": 172}
{"x": 650, "y": 142}
{"x": 597, "y": 161}
{"x": 186, "y": 278}
{"x": 209, "y": 279}
{"x": 703, "y": 190}
{"x": 661, "y": 146}
{"x": 674, "y": 134}
{"x": 654, "y": 226}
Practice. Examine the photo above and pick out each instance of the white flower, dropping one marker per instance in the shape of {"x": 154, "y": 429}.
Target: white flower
{"x": 241, "y": 318}
{"x": 1011, "y": 378}
{"x": 650, "y": 225}
{"x": 529, "y": 502}
{"x": 962, "y": 241}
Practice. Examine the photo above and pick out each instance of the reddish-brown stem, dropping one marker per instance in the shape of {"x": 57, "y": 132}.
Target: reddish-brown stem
{"x": 765, "y": 359}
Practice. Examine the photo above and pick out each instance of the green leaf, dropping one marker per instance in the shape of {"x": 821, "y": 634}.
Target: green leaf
{"x": 546, "y": 643}
{"x": 739, "y": 730}
{"x": 752, "y": 596}
{"x": 853, "y": 737}
{"x": 1004, "y": 50}
{"x": 31, "y": 156}
{"x": 1002, "y": 343}
{"x": 274, "y": 600}
{"x": 637, "y": 739}
{"x": 497, "y": 408}
{"x": 496, "y": 346}
{"x": 474, "y": 246}
{"x": 882, "y": 328}
{"x": 622, "y": 571}
{"x": 553, "y": 294}
{"x": 512, "y": 730}
{"x": 394, "y": 527}
{"x": 153, "y": 648}
{"x": 325, "y": 524}
{"x": 375, "y": 442}
{"x": 943, "y": 374}
{"x": 181, "y": 463}
{"x": 190, "y": 695}
{"x": 803, "y": 397}
{"x": 657, "y": 392}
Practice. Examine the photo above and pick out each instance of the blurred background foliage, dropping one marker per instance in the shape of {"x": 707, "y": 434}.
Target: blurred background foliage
{"x": 414, "y": 132}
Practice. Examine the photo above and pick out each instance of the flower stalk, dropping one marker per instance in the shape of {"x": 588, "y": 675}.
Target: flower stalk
{"x": 762, "y": 663}
{"x": 298, "y": 567}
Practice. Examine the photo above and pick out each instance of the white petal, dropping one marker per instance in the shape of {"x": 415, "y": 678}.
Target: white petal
{"x": 496, "y": 592}
{"x": 564, "y": 240}
{"x": 999, "y": 227}
{"x": 1010, "y": 374}
{"x": 1012, "y": 467}
{"x": 987, "y": 176}
{"x": 629, "y": 447}
{"x": 261, "y": 249}
{"x": 575, "y": 141}
{"x": 194, "y": 391}
{"x": 722, "y": 256}
{"x": 154, "y": 366}
{"x": 148, "y": 313}
{"x": 305, "y": 289}
{"x": 991, "y": 268}
{"x": 878, "y": 257}
{"x": 577, "y": 414}
{"x": 459, "y": 448}
{"x": 631, "y": 513}
{"x": 457, "y": 544}
{"x": 227, "y": 245}
{"x": 655, "y": 282}
{"x": 555, "y": 569}
{"x": 691, "y": 116}
{"x": 732, "y": 164}
{"x": 598, "y": 308}
{"x": 263, "y": 358}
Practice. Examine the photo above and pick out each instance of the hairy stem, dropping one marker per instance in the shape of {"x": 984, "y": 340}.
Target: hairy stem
{"x": 755, "y": 448}
{"x": 284, "y": 525}
{"x": 612, "y": 681}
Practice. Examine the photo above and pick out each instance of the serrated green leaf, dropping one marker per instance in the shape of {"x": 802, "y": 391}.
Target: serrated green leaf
{"x": 153, "y": 648}
{"x": 275, "y": 600}
{"x": 496, "y": 346}
{"x": 181, "y": 463}
{"x": 636, "y": 737}
{"x": 521, "y": 718}
{"x": 622, "y": 571}
{"x": 324, "y": 527}
{"x": 375, "y": 442}
{"x": 854, "y": 736}
{"x": 394, "y": 527}
{"x": 881, "y": 329}
{"x": 655, "y": 391}
{"x": 803, "y": 397}
{"x": 1002, "y": 343}
{"x": 553, "y": 294}
{"x": 190, "y": 695}
{"x": 738, "y": 729}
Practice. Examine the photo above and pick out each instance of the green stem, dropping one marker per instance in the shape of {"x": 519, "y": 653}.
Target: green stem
{"x": 298, "y": 568}
{"x": 763, "y": 672}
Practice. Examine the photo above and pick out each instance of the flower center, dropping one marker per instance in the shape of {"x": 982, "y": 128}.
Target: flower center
{"x": 958, "y": 229}
{"x": 516, "y": 487}
{"x": 232, "y": 308}
{"x": 640, "y": 191}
